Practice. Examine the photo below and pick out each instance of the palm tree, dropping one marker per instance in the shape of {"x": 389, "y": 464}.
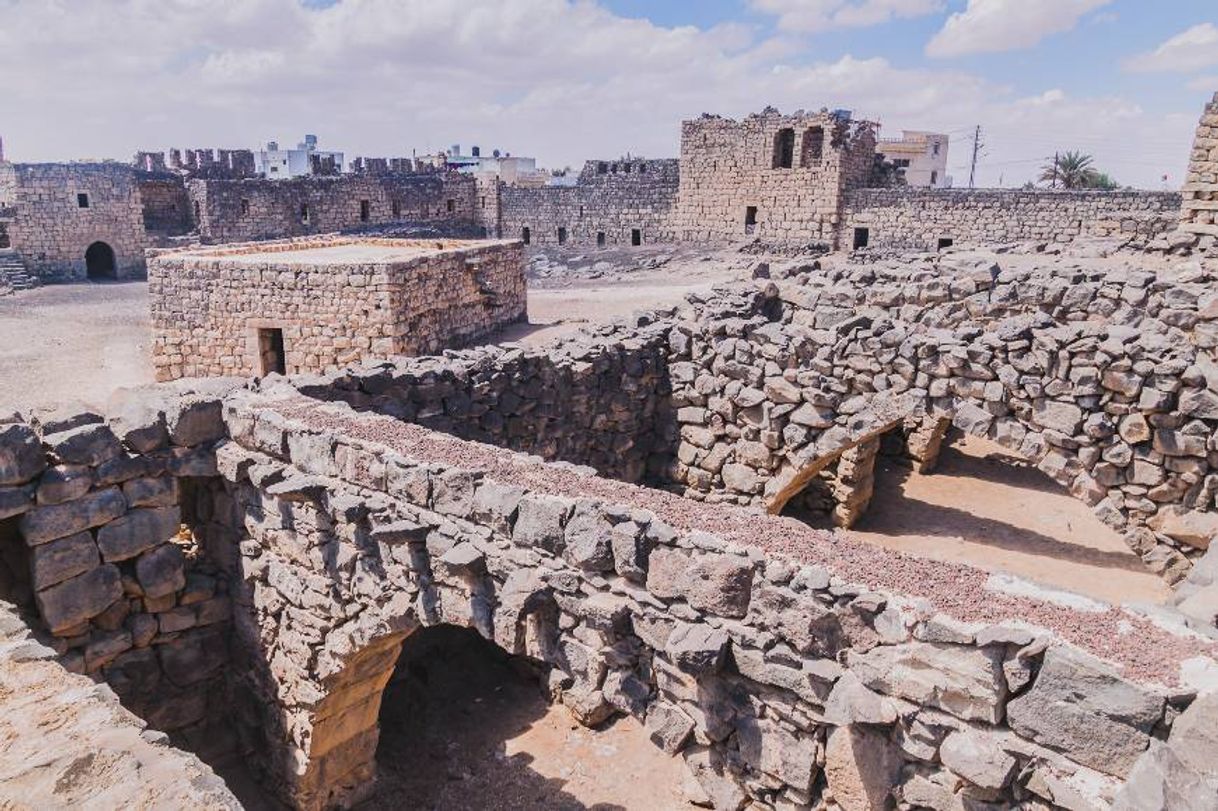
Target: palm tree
{"x": 1070, "y": 170}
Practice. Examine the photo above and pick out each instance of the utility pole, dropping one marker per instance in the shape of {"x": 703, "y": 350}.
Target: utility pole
{"x": 1056, "y": 156}
{"x": 972, "y": 172}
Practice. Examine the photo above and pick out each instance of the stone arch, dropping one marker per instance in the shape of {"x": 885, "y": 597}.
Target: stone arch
{"x": 100, "y": 262}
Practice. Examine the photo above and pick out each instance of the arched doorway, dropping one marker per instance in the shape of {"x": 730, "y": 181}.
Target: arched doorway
{"x": 99, "y": 262}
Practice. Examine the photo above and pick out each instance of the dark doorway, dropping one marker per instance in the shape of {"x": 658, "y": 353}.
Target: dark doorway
{"x": 272, "y": 359}
{"x": 636, "y": 236}
{"x": 562, "y": 236}
{"x": 862, "y": 236}
{"x": 525, "y": 235}
{"x": 750, "y": 219}
{"x": 99, "y": 263}
{"x": 945, "y": 242}
{"x": 365, "y": 210}
{"x": 600, "y": 238}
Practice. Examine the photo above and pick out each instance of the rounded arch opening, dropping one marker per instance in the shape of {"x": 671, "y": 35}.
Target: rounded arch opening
{"x": 100, "y": 264}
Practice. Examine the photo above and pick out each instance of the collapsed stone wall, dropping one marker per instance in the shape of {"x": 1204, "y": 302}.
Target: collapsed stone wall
{"x": 126, "y": 593}
{"x": 208, "y": 307}
{"x": 610, "y": 203}
{"x": 919, "y": 218}
{"x": 741, "y": 178}
{"x": 1105, "y": 380}
{"x": 53, "y": 225}
{"x": 1200, "y": 209}
{"x": 256, "y": 208}
{"x": 738, "y": 640}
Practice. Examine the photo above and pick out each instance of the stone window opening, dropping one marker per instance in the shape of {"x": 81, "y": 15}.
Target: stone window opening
{"x": 613, "y": 168}
{"x": 396, "y": 207}
{"x": 600, "y": 238}
{"x": 82, "y": 200}
{"x": 750, "y": 219}
{"x": 581, "y": 212}
{"x": 627, "y": 167}
{"x": 642, "y": 168}
{"x": 245, "y": 208}
{"x": 636, "y": 236}
{"x": 862, "y": 237}
{"x": 482, "y": 202}
{"x": 365, "y": 211}
{"x": 602, "y": 168}
{"x": 525, "y": 235}
{"x": 934, "y": 177}
{"x": 99, "y": 263}
{"x": 562, "y": 236}
{"x": 451, "y": 205}
{"x": 198, "y": 215}
{"x": 304, "y": 213}
{"x": 945, "y": 242}
{"x": 812, "y": 150}
{"x": 272, "y": 356}
{"x": 784, "y": 148}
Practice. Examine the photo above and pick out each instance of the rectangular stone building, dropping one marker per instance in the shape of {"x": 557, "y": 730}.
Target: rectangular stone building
{"x": 311, "y": 305}
{"x": 1199, "y": 214}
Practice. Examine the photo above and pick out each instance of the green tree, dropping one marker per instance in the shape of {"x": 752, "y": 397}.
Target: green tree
{"x": 1075, "y": 170}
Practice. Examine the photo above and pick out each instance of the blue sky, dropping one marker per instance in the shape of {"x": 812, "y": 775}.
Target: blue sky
{"x": 569, "y": 80}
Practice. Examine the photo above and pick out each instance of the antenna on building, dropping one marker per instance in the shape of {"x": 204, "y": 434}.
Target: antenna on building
{"x": 972, "y": 172}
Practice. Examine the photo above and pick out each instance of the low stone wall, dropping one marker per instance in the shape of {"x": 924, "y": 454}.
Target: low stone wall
{"x": 920, "y": 218}
{"x": 256, "y": 208}
{"x": 780, "y": 665}
{"x": 612, "y": 201}
{"x": 209, "y": 306}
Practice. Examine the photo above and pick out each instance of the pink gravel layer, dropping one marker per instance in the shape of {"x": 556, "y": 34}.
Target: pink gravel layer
{"x": 1142, "y": 650}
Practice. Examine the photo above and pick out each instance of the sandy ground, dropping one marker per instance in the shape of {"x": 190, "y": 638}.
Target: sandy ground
{"x": 988, "y": 508}
{"x": 72, "y": 342}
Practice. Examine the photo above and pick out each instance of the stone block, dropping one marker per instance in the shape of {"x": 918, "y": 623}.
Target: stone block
{"x": 192, "y": 421}
{"x": 88, "y": 445}
{"x": 78, "y": 599}
{"x": 668, "y": 727}
{"x": 862, "y": 767}
{"x": 977, "y": 758}
{"x": 962, "y": 680}
{"x": 64, "y": 483}
{"x": 720, "y": 584}
{"x": 21, "y": 455}
{"x": 139, "y": 530}
{"x": 54, "y": 562}
{"x": 44, "y": 524}
{"x": 151, "y": 491}
{"x": 588, "y": 538}
{"x": 160, "y": 570}
{"x": 16, "y": 500}
{"x": 137, "y": 417}
{"x": 539, "y": 522}
{"x": 697, "y": 648}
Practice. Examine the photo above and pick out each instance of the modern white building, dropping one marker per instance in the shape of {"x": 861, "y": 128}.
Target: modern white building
{"x": 509, "y": 168}
{"x": 279, "y": 164}
{"x": 921, "y": 157}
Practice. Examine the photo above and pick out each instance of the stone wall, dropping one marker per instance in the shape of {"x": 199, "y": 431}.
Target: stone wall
{"x": 112, "y": 521}
{"x": 733, "y": 172}
{"x": 208, "y": 306}
{"x": 238, "y": 210}
{"x": 52, "y": 230}
{"x": 612, "y": 203}
{"x": 920, "y": 218}
{"x": 167, "y": 206}
{"x": 1200, "y": 210}
{"x": 780, "y": 665}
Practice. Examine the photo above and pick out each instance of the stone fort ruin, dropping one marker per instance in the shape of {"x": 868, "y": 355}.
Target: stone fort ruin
{"x": 805, "y": 178}
{"x": 228, "y": 568}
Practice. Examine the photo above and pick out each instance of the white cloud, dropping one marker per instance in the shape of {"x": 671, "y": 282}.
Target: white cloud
{"x": 806, "y": 16}
{"x": 565, "y": 81}
{"x": 1193, "y": 49}
{"x": 987, "y": 26}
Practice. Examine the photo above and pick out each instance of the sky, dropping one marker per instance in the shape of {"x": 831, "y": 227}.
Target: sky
{"x": 571, "y": 80}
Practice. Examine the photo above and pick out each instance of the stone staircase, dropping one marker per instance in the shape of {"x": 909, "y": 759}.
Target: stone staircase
{"x": 13, "y": 273}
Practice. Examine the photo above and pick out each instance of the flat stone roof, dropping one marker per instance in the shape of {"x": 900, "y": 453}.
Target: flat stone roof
{"x": 333, "y": 251}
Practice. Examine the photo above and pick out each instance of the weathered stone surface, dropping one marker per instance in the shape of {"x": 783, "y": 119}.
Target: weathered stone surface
{"x": 21, "y": 457}
{"x": 540, "y": 521}
{"x": 64, "y": 483}
{"x": 861, "y": 768}
{"x": 697, "y": 649}
{"x": 1082, "y": 707}
{"x": 138, "y": 530}
{"x": 80, "y": 598}
{"x": 1179, "y": 775}
{"x": 720, "y": 584}
{"x": 668, "y": 727}
{"x": 151, "y": 491}
{"x": 87, "y": 445}
{"x": 589, "y": 538}
{"x": 978, "y": 759}
{"x": 771, "y": 748}
{"x": 160, "y": 571}
{"x": 16, "y": 500}
{"x": 44, "y": 524}
{"x": 54, "y": 562}
{"x": 965, "y": 681}
{"x": 137, "y": 417}
{"x": 193, "y": 421}
{"x": 1192, "y": 527}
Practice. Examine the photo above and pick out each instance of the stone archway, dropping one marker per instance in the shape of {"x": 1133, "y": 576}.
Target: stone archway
{"x": 100, "y": 264}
